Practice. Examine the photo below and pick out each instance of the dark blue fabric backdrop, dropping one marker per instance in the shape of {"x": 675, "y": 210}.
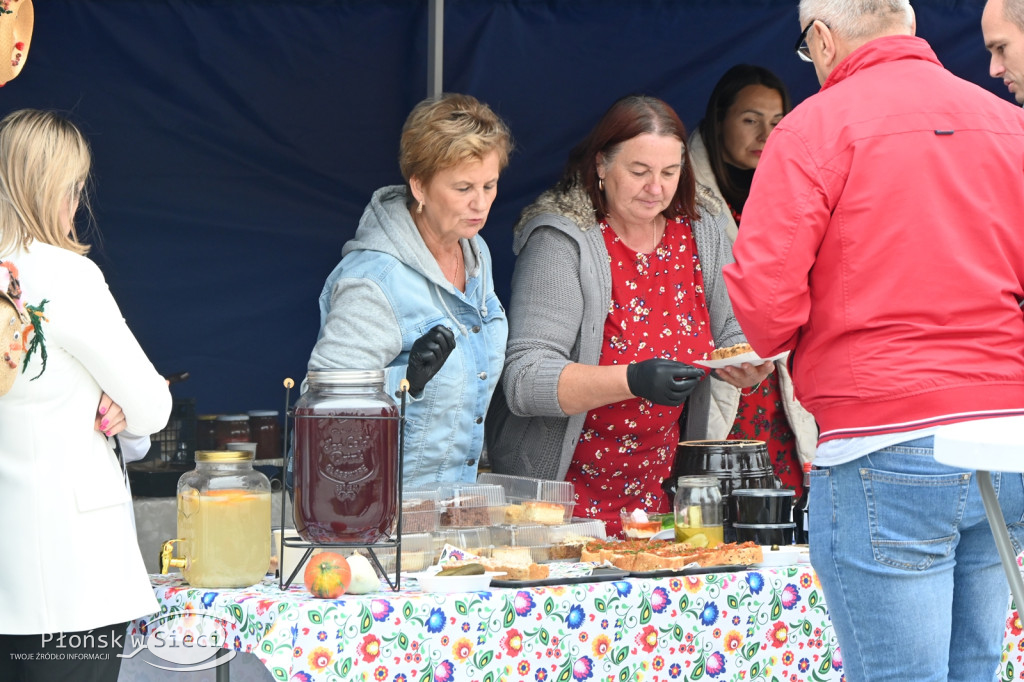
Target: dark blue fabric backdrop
{"x": 237, "y": 142}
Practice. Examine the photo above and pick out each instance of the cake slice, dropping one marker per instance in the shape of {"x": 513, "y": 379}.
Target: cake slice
{"x": 544, "y": 513}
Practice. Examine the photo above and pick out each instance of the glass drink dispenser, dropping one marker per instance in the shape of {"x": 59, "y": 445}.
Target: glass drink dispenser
{"x": 346, "y": 464}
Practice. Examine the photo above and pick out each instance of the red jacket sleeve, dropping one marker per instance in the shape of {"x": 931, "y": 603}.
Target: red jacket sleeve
{"x": 784, "y": 220}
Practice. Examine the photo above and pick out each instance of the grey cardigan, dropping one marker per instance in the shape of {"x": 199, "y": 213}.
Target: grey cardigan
{"x": 561, "y": 293}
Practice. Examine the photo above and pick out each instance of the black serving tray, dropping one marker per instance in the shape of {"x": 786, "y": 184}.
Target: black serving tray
{"x": 690, "y": 570}
{"x": 598, "y": 575}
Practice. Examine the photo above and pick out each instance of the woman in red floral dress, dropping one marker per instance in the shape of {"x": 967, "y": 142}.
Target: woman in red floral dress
{"x": 617, "y": 289}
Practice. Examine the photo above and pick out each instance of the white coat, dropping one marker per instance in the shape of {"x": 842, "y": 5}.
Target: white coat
{"x": 69, "y": 558}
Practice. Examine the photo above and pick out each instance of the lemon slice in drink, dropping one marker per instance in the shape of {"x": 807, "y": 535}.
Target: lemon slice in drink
{"x": 698, "y": 540}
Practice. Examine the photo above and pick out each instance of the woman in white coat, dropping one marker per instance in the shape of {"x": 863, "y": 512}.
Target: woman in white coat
{"x": 745, "y": 105}
{"x": 69, "y": 559}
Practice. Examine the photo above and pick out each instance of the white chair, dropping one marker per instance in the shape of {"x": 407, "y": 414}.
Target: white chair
{"x": 988, "y": 445}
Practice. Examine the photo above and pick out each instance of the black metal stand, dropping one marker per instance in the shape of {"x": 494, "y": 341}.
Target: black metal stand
{"x": 390, "y": 542}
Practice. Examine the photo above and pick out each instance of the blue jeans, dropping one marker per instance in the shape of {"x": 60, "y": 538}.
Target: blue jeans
{"x": 910, "y": 571}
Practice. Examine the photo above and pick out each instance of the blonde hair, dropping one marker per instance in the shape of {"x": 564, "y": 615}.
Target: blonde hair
{"x": 443, "y": 132}
{"x": 44, "y": 163}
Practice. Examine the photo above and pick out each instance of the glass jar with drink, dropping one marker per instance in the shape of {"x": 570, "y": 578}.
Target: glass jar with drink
{"x": 223, "y": 521}
{"x": 346, "y": 464}
{"x": 698, "y": 511}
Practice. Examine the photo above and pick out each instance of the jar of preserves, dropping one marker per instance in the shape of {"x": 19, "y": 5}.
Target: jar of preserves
{"x": 265, "y": 431}
{"x": 346, "y": 458}
{"x": 223, "y": 522}
{"x": 698, "y": 511}
{"x": 231, "y": 428}
{"x": 206, "y": 438}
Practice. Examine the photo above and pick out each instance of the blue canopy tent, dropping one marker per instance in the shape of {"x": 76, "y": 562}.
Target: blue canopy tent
{"x": 236, "y": 142}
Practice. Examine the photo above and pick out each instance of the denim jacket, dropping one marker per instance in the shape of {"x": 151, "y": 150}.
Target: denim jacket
{"x": 386, "y": 292}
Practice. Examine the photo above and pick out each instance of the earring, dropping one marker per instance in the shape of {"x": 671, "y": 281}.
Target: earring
{"x": 600, "y": 184}
{"x": 419, "y": 209}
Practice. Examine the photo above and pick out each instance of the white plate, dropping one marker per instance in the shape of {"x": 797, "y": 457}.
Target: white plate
{"x": 665, "y": 534}
{"x": 784, "y": 555}
{"x": 737, "y": 360}
{"x": 429, "y": 582}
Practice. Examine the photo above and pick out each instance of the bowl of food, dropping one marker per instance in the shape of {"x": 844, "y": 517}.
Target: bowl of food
{"x": 639, "y": 524}
{"x": 464, "y": 578}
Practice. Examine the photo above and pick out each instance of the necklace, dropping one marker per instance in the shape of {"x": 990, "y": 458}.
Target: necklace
{"x": 455, "y": 271}
{"x": 654, "y": 236}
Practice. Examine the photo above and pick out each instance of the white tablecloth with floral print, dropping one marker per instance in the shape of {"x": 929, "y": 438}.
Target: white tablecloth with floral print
{"x": 765, "y": 624}
{"x": 768, "y": 624}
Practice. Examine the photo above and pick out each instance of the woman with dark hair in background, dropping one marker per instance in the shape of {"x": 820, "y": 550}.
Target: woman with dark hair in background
{"x": 745, "y": 105}
{"x": 617, "y": 288}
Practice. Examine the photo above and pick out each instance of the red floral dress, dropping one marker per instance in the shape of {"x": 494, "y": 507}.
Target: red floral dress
{"x": 658, "y": 310}
{"x": 761, "y": 416}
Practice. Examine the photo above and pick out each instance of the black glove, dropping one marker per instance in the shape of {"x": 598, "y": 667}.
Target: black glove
{"x": 664, "y": 382}
{"x": 426, "y": 357}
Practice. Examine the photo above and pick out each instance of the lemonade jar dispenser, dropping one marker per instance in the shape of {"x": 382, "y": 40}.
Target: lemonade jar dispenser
{"x": 223, "y": 522}
{"x": 698, "y": 511}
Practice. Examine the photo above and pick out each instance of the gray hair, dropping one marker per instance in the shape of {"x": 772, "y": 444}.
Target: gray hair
{"x": 857, "y": 19}
{"x": 1013, "y": 11}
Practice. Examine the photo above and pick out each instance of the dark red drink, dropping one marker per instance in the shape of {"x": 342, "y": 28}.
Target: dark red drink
{"x": 346, "y": 465}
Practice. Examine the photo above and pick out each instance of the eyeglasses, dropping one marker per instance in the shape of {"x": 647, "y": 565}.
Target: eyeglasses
{"x": 801, "y": 48}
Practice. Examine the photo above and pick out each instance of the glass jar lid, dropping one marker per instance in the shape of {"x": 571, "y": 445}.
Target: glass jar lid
{"x": 224, "y": 456}
{"x": 263, "y": 413}
{"x": 206, "y": 417}
{"x": 232, "y": 417}
{"x": 345, "y": 377}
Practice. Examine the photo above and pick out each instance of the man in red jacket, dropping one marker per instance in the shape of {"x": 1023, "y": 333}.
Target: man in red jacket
{"x": 882, "y": 245}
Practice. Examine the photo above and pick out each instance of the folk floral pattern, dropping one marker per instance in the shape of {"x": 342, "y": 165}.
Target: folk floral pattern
{"x": 769, "y": 625}
{"x": 626, "y": 449}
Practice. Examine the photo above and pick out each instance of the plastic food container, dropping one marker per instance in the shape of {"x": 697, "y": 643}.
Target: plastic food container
{"x": 533, "y": 500}
{"x": 568, "y": 539}
{"x": 467, "y": 505}
{"x": 765, "y": 533}
{"x": 417, "y": 553}
{"x": 421, "y": 511}
{"x": 520, "y": 544}
{"x": 473, "y": 540}
{"x": 761, "y": 505}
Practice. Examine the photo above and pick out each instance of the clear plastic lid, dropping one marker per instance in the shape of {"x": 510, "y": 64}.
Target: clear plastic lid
{"x": 421, "y": 511}
{"x": 471, "y": 495}
{"x": 522, "y": 488}
{"x": 520, "y": 535}
{"x": 471, "y": 504}
{"x": 417, "y": 553}
{"x": 577, "y": 528}
{"x": 474, "y": 540}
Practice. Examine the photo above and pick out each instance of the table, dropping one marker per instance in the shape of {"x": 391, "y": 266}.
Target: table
{"x": 767, "y": 624}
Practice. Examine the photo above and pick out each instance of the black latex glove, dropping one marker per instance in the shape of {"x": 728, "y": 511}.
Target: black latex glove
{"x": 426, "y": 357}
{"x": 664, "y": 382}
